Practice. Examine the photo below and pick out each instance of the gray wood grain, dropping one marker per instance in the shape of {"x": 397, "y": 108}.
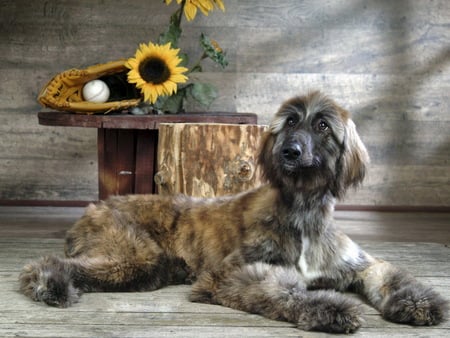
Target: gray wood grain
{"x": 167, "y": 312}
{"x": 385, "y": 61}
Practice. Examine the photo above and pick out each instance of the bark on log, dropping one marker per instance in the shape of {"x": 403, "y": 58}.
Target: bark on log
{"x": 207, "y": 160}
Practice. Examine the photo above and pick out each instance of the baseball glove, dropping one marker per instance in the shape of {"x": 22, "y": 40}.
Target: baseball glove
{"x": 64, "y": 91}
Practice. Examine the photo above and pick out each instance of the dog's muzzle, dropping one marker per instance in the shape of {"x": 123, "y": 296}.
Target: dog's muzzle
{"x": 296, "y": 155}
{"x": 292, "y": 152}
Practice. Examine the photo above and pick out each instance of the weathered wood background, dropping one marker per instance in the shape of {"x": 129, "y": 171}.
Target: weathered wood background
{"x": 386, "y": 61}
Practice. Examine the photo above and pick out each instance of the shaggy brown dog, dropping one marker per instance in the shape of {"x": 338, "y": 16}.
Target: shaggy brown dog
{"x": 267, "y": 250}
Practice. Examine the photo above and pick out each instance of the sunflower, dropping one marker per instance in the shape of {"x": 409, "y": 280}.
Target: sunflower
{"x": 155, "y": 70}
{"x": 205, "y": 6}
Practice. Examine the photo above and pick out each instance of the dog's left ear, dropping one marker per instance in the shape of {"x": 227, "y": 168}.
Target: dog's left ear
{"x": 354, "y": 160}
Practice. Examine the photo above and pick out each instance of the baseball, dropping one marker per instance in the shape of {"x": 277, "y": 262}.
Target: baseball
{"x": 96, "y": 91}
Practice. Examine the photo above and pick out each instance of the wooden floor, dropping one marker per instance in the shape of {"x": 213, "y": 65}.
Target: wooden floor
{"x": 417, "y": 241}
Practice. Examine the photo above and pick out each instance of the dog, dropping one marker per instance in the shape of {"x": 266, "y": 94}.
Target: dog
{"x": 274, "y": 250}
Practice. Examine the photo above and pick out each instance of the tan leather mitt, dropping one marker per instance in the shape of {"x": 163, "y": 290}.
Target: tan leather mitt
{"x": 64, "y": 91}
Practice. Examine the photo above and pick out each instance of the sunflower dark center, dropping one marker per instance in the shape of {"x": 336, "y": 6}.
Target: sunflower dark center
{"x": 154, "y": 70}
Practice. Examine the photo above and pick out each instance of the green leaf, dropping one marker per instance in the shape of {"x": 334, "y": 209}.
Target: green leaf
{"x": 175, "y": 103}
{"x": 173, "y": 32}
{"x": 196, "y": 68}
{"x": 213, "y": 51}
{"x": 203, "y": 93}
{"x": 184, "y": 59}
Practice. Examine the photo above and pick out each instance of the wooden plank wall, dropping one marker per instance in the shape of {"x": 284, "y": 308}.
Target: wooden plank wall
{"x": 386, "y": 61}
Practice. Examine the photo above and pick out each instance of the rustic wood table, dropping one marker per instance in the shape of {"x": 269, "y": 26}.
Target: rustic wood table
{"x": 127, "y": 144}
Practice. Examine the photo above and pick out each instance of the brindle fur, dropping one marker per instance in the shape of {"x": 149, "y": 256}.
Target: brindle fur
{"x": 274, "y": 250}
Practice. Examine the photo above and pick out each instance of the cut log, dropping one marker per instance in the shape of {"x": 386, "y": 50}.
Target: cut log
{"x": 207, "y": 160}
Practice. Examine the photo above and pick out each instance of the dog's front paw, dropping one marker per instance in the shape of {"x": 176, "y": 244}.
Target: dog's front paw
{"x": 330, "y": 312}
{"x": 415, "y": 305}
{"x": 48, "y": 280}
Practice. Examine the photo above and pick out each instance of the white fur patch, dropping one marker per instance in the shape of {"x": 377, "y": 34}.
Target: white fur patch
{"x": 309, "y": 272}
{"x": 345, "y": 254}
{"x": 350, "y": 252}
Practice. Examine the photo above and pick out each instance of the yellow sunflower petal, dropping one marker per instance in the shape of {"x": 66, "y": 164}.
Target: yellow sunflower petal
{"x": 169, "y": 87}
{"x": 179, "y": 78}
{"x": 190, "y": 11}
{"x": 162, "y": 80}
{"x": 220, "y": 4}
{"x": 205, "y": 6}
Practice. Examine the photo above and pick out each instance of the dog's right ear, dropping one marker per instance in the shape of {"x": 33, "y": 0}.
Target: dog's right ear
{"x": 265, "y": 156}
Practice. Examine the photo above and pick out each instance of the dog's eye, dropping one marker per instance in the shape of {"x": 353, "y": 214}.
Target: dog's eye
{"x": 291, "y": 121}
{"x": 322, "y": 125}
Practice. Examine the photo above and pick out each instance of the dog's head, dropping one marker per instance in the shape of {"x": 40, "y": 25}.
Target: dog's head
{"x": 312, "y": 145}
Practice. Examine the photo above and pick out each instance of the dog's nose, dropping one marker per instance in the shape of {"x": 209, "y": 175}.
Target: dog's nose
{"x": 292, "y": 152}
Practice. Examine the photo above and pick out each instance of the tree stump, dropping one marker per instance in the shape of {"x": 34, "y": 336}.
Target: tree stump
{"x": 207, "y": 159}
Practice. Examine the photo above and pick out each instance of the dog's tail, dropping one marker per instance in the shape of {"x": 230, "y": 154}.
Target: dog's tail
{"x": 61, "y": 281}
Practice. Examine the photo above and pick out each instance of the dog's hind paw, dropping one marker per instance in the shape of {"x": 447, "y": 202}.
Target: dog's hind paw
{"x": 415, "y": 305}
{"x": 331, "y": 312}
{"x": 49, "y": 280}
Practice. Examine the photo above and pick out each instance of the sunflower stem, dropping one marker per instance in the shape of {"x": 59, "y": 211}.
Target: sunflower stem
{"x": 197, "y": 66}
{"x": 180, "y": 13}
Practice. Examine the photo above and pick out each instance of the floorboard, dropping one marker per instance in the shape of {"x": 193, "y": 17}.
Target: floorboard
{"x": 27, "y": 233}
